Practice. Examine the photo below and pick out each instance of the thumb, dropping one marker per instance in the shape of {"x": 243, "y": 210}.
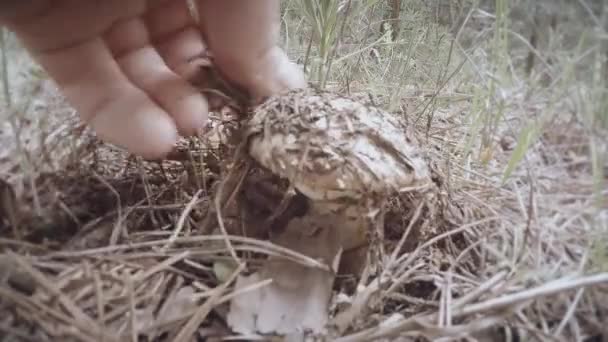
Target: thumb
{"x": 242, "y": 36}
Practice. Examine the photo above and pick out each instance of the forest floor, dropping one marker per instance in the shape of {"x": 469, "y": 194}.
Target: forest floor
{"x": 97, "y": 244}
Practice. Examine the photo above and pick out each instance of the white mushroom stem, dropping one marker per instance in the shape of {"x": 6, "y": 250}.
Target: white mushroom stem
{"x": 352, "y": 222}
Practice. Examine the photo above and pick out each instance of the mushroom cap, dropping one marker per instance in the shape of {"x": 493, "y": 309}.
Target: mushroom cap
{"x": 332, "y": 147}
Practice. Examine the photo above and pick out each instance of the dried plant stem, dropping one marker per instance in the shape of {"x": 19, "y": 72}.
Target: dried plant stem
{"x": 264, "y": 247}
{"x": 500, "y": 303}
{"x": 188, "y": 330}
{"x": 548, "y": 289}
{"x": 406, "y": 260}
{"x": 182, "y": 219}
{"x": 83, "y": 323}
{"x": 397, "y": 250}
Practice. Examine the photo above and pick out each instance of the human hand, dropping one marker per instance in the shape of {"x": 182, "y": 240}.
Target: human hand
{"x": 124, "y": 65}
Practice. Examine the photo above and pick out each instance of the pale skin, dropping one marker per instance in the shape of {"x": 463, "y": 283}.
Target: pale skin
{"x": 124, "y": 65}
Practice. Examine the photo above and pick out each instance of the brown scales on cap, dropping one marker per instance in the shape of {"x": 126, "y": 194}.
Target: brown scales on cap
{"x": 335, "y": 149}
{"x": 345, "y": 157}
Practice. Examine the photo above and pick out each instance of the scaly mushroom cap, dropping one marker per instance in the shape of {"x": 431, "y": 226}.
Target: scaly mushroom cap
{"x": 332, "y": 147}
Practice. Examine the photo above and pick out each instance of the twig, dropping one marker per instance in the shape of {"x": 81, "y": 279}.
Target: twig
{"x": 67, "y": 303}
{"x": 500, "y": 303}
{"x": 100, "y": 300}
{"x": 160, "y": 266}
{"x": 401, "y": 242}
{"x": 404, "y": 264}
{"x": 488, "y": 285}
{"x": 344, "y": 319}
{"x": 548, "y": 289}
{"x": 265, "y": 247}
{"x": 188, "y": 330}
{"x": 219, "y": 205}
{"x": 132, "y": 314}
{"x": 144, "y": 181}
{"x": 224, "y": 299}
{"x": 182, "y": 218}
{"x": 569, "y": 313}
{"x": 118, "y": 225}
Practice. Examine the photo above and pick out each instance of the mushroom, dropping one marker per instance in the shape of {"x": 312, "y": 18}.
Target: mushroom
{"x": 346, "y": 157}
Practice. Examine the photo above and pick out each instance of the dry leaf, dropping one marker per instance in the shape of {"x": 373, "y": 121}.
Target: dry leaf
{"x": 298, "y": 298}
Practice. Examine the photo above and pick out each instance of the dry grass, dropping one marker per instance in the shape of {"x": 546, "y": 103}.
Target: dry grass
{"x": 110, "y": 247}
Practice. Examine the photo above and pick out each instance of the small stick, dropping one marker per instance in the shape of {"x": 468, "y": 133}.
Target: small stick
{"x": 182, "y": 218}
{"x": 188, "y": 330}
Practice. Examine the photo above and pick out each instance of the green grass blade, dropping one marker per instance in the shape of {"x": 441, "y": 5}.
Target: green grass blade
{"x": 525, "y": 140}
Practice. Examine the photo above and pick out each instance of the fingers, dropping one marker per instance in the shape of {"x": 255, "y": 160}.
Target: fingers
{"x": 243, "y": 37}
{"x": 146, "y": 69}
{"x": 119, "y": 84}
{"x": 119, "y": 112}
{"x": 129, "y": 82}
{"x": 64, "y": 39}
{"x": 62, "y": 24}
{"x": 130, "y": 43}
{"x": 175, "y": 35}
{"x": 184, "y": 52}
